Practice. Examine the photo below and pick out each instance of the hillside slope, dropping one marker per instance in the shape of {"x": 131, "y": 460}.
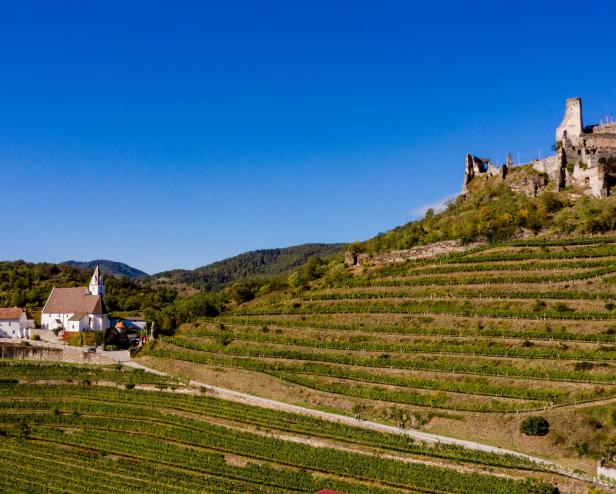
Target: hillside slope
{"x": 109, "y": 267}
{"x": 114, "y": 432}
{"x": 496, "y": 210}
{"x": 250, "y": 264}
{"x": 490, "y": 336}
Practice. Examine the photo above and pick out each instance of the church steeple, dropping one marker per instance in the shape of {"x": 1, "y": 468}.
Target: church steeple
{"x": 97, "y": 285}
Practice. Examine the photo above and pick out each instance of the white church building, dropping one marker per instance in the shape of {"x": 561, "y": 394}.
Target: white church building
{"x": 77, "y": 309}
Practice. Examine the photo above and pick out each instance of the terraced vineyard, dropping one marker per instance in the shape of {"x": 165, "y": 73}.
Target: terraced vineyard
{"x": 68, "y": 428}
{"x": 481, "y": 338}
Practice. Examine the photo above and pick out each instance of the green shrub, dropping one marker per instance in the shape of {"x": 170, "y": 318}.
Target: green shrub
{"x": 80, "y": 338}
{"x": 551, "y": 202}
{"x": 535, "y": 425}
{"x": 224, "y": 338}
{"x": 582, "y": 448}
{"x": 562, "y": 307}
{"x": 23, "y": 430}
{"x": 539, "y": 305}
{"x": 583, "y": 366}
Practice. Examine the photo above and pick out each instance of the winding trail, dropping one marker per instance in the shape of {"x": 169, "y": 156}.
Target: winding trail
{"x": 249, "y": 399}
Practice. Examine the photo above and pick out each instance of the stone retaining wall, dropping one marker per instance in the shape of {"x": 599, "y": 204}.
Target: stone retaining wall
{"x": 420, "y": 252}
{"x": 50, "y": 353}
{"x": 603, "y": 471}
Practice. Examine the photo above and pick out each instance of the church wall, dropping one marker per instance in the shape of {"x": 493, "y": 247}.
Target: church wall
{"x": 99, "y": 322}
{"x": 73, "y": 326}
{"x": 48, "y": 320}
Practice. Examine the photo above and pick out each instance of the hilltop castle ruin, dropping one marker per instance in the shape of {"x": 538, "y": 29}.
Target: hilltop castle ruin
{"x": 585, "y": 158}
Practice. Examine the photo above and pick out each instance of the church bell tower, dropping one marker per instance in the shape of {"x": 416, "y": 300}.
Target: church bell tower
{"x": 97, "y": 285}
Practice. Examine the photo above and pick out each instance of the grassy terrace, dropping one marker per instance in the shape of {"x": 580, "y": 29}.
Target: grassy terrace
{"x": 491, "y": 335}
{"x": 98, "y": 438}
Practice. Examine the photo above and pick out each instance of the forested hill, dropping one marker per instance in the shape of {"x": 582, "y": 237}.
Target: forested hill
{"x": 109, "y": 267}
{"x": 251, "y": 264}
{"x": 24, "y": 284}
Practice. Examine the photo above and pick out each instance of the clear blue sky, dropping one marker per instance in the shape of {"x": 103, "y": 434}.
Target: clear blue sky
{"x": 172, "y": 134}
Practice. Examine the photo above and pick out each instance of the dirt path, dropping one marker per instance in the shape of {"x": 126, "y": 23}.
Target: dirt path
{"x": 248, "y": 399}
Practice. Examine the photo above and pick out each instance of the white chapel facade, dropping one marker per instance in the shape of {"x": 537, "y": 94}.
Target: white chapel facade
{"x": 77, "y": 309}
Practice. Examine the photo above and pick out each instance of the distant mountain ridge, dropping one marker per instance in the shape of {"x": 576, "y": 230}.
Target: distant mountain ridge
{"x": 250, "y": 264}
{"x": 108, "y": 267}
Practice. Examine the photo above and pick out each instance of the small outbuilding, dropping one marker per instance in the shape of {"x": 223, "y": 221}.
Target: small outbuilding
{"x": 121, "y": 336}
{"x": 14, "y": 323}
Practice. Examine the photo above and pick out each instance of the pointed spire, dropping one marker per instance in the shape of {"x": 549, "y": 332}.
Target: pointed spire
{"x": 97, "y": 285}
{"x": 97, "y": 278}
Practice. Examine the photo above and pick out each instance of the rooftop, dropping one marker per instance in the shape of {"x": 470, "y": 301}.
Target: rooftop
{"x": 73, "y": 300}
{"x": 11, "y": 313}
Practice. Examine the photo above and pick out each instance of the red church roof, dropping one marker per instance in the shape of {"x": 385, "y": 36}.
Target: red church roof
{"x": 73, "y": 300}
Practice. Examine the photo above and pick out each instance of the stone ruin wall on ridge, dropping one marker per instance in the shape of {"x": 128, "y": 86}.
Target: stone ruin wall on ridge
{"x": 435, "y": 249}
{"x": 585, "y": 158}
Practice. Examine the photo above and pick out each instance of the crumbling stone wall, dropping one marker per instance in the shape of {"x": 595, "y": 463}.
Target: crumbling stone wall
{"x": 49, "y": 353}
{"x": 530, "y": 185}
{"x": 552, "y": 167}
{"x": 419, "y": 252}
{"x": 585, "y": 158}
{"x": 480, "y": 166}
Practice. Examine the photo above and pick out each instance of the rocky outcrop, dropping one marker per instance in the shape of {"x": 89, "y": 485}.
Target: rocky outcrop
{"x": 530, "y": 184}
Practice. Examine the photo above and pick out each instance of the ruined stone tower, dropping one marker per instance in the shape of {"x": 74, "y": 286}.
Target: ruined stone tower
{"x": 571, "y": 126}
{"x": 585, "y": 159}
